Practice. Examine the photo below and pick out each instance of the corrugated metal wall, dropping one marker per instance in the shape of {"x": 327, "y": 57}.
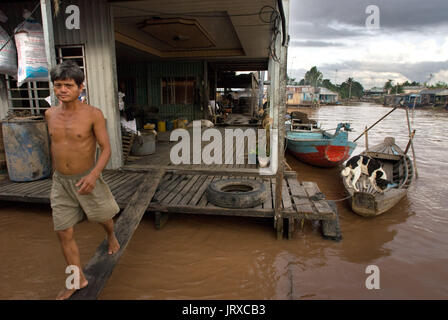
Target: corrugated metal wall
{"x": 96, "y": 33}
{"x": 139, "y": 72}
{"x": 148, "y": 80}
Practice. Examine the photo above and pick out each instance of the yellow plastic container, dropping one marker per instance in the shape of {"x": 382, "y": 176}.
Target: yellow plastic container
{"x": 161, "y": 126}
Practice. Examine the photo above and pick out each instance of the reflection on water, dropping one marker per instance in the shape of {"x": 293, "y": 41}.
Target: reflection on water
{"x": 200, "y": 257}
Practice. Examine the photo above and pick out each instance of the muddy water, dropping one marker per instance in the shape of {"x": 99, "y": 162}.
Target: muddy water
{"x": 198, "y": 257}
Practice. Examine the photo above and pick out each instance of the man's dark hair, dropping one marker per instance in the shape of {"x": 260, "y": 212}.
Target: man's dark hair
{"x": 67, "y": 70}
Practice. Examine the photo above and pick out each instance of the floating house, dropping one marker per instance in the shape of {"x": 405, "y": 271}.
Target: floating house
{"x": 429, "y": 96}
{"x": 393, "y": 99}
{"x": 167, "y": 56}
{"x": 327, "y": 96}
{"x": 413, "y": 89}
{"x": 374, "y": 92}
{"x": 441, "y": 98}
{"x": 301, "y": 95}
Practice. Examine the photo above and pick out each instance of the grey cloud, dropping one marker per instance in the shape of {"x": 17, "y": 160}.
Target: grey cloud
{"x": 313, "y": 43}
{"x": 395, "y": 16}
{"x": 413, "y": 71}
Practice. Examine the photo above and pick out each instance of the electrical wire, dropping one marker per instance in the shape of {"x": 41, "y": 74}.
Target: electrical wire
{"x": 189, "y": 14}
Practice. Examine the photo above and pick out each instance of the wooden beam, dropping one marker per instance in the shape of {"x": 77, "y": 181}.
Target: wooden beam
{"x": 47, "y": 24}
{"x": 205, "y": 170}
{"x": 100, "y": 266}
{"x": 200, "y": 53}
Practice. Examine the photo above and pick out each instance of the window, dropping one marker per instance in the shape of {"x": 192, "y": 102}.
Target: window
{"x": 178, "y": 90}
{"x": 290, "y": 96}
{"x": 31, "y": 95}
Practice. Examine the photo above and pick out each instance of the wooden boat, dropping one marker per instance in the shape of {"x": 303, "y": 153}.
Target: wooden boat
{"x": 399, "y": 170}
{"x": 313, "y": 145}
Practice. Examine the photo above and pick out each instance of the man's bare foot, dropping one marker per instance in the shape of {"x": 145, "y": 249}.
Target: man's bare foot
{"x": 67, "y": 293}
{"x": 114, "y": 246}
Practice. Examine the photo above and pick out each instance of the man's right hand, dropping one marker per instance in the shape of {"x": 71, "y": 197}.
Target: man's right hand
{"x": 87, "y": 184}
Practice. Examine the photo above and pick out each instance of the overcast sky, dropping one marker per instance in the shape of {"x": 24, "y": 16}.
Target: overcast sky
{"x": 411, "y": 43}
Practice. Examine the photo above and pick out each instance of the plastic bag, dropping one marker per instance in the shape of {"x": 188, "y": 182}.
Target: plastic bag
{"x": 32, "y": 59}
{"x": 8, "y": 55}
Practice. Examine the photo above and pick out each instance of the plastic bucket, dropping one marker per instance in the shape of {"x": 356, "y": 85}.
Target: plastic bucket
{"x": 144, "y": 146}
{"x": 27, "y": 149}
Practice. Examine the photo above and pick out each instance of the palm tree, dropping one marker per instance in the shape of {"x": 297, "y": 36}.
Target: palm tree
{"x": 388, "y": 86}
{"x": 313, "y": 77}
{"x": 350, "y": 82}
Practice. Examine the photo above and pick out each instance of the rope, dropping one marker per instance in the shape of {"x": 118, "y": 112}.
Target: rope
{"x": 348, "y": 197}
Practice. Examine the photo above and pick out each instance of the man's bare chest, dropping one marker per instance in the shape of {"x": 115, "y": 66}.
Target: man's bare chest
{"x": 69, "y": 130}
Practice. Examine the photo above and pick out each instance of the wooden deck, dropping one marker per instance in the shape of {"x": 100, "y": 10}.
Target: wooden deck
{"x": 182, "y": 188}
{"x": 184, "y": 192}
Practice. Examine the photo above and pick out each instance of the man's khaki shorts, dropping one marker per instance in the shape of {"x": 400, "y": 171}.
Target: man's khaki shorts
{"x": 69, "y": 207}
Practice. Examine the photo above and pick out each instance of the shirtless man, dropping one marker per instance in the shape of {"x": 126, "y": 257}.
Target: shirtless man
{"x": 78, "y": 189}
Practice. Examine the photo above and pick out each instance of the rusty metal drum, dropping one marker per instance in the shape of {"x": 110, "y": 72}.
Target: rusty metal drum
{"x": 27, "y": 149}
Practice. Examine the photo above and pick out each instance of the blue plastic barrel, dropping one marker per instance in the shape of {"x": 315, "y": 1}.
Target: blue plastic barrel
{"x": 27, "y": 149}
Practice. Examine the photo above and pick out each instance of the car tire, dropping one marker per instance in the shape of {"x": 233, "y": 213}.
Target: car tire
{"x": 236, "y": 193}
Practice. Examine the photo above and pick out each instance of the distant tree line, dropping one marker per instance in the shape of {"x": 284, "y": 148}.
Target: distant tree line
{"x": 398, "y": 88}
{"x": 313, "y": 77}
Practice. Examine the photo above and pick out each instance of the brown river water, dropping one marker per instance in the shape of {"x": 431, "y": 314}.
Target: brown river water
{"x": 201, "y": 257}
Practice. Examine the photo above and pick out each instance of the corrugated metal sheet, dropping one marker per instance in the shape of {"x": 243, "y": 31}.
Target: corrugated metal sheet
{"x": 96, "y": 33}
{"x": 138, "y": 71}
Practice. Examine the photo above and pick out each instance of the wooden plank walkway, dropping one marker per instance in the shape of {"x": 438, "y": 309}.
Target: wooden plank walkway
{"x": 122, "y": 185}
{"x": 99, "y": 268}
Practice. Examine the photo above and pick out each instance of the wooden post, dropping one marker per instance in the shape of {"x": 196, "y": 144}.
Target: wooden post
{"x": 412, "y": 143}
{"x": 367, "y": 139}
{"x": 281, "y": 98}
{"x": 205, "y": 89}
{"x": 409, "y": 143}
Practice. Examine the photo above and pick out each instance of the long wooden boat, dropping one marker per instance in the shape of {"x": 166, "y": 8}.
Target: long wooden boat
{"x": 315, "y": 146}
{"x": 399, "y": 170}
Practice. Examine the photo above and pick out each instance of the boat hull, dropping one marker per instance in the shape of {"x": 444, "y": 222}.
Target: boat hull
{"x": 368, "y": 205}
{"x": 326, "y": 156}
{"x": 400, "y": 170}
{"x": 320, "y": 150}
